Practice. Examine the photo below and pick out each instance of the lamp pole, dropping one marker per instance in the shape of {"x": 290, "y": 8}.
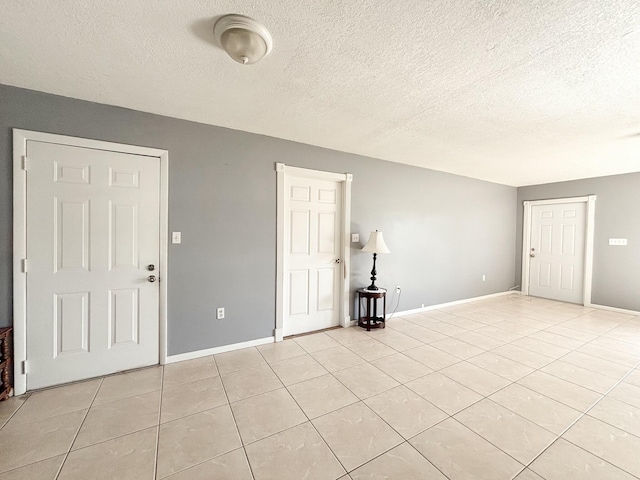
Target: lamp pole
{"x": 373, "y": 274}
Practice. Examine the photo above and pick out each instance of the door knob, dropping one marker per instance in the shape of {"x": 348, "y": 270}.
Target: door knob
{"x": 532, "y": 255}
{"x": 151, "y": 267}
{"x": 337, "y": 260}
{"x": 151, "y": 278}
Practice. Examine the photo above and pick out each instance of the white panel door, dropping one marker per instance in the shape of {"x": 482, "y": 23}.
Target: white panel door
{"x": 558, "y": 234}
{"x": 312, "y": 240}
{"x": 92, "y": 232}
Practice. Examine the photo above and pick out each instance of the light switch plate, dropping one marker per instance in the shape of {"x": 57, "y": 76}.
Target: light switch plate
{"x": 355, "y": 237}
{"x": 620, "y": 242}
{"x": 176, "y": 237}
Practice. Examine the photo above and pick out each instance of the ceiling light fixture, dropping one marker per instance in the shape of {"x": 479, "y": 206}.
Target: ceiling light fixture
{"x": 244, "y": 39}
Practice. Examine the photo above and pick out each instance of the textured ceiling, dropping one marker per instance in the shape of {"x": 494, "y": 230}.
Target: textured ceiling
{"x": 512, "y": 92}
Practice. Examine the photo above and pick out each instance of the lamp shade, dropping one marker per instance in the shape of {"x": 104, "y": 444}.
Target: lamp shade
{"x": 376, "y": 244}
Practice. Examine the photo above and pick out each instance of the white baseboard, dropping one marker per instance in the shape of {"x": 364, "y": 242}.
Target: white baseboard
{"x": 347, "y": 322}
{"x": 613, "y": 309}
{"x": 451, "y": 304}
{"x": 212, "y": 351}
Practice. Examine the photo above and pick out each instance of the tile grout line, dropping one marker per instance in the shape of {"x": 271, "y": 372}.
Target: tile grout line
{"x": 198, "y": 412}
{"x": 602, "y": 396}
{"x": 602, "y": 335}
{"x": 75, "y": 437}
{"x": 383, "y": 420}
{"x": 88, "y": 409}
{"x": 305, "y": 413}
{"x": 513, "y": 382}
{"x": 28, "y": 395}
{"x": 157, "y": 449}
{"x": 359, "y": 400}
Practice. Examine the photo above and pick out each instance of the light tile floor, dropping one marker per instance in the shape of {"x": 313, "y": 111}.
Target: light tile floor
{"x": 511, "y": 387}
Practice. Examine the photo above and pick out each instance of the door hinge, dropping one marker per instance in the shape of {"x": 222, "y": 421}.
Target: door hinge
{"x": 25, "y": 367}
{"x": 24, "y": 265}
{"x": 24, "y": 162}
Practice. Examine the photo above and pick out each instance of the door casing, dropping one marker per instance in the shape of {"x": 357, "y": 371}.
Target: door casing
{"x": 20, "y": 138}
{"x": 590, "y": 200}
{"x": 281, "y": 259}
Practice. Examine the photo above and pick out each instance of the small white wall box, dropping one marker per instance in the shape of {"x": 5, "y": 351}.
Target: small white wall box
{"x": 620, "y": 242}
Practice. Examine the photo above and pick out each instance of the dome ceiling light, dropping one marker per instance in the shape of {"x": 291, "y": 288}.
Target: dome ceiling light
{"x": 244, "y": 39}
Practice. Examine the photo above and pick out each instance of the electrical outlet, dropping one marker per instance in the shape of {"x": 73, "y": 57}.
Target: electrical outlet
{"x": 397, "y": 288}
{"x": 176, "y": 237}
{"x": 355, "y": 237}
{"x": 220, "y": 313}
{"x": 484, "y": 278}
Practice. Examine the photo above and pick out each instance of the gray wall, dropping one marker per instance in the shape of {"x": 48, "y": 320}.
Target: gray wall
{"x": 616, "y": 270}
{"x": 444, "y": 231}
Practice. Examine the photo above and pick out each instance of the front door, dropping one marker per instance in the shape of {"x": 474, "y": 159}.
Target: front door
{"x": 312, "y": 245}
{"x": 92, "y": 240}
{"x": 557, "y": 253}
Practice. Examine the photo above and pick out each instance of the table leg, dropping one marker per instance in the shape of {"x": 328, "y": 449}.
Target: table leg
{"x": 375, "y": 310}
{"x": 384, "y": 312}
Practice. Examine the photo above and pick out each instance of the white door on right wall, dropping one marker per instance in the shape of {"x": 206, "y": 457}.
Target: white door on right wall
{"x": 557, "y": 254}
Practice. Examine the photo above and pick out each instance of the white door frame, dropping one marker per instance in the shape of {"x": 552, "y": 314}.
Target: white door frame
{"x": 590, "y": 200}
{"x": 20, "y": 138}
{"x": 345, "y": 248}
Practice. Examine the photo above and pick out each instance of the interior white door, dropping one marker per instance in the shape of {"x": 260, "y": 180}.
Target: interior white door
{"x": 312, "y": 238}
{"x": 92, "y": 232}
{"x": 557, "y": 255}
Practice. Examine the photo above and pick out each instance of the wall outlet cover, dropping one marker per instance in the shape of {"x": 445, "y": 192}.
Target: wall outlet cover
{"x": 176, "y": 237}
{"x": 355, "y": 237}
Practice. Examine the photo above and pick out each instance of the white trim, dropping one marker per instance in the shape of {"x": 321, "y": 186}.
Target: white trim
{"x": 280, "y": 211}
{"x": 588, "y": 260}
{"x": 346, "y": 249}
{"x": 526, "y": 248}
{"x": 20, "y": 138}
{"x": 451, "y": 304}
{"x": 615, "y": 309}
{"x": 590, "y": 200}
{"x": 278, "y": 333}
{"x": 345, "y": 254}
{"x": 215, "y": 350}
{"x": 555, "y": 201}
{"x": 317, "y": 174}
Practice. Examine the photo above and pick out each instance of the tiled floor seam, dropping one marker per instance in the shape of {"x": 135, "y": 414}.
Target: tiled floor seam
{"x": 235, "y": 422}
{"x": 515, "y": 413}
{"x": 14, "y": 413}
{"x": 580, "y": 417}
{"x": 532, "y": 389}
{"x": 405, "y": 440}
{"x": 511, "y": 382}
{"x": 155, "y": 476}
{"x": 367, "y": 406}
{"x": 308, "y": 420}
{"x": 157, "y": 450}
{"x": 75, "y": 437}
{"x": 535, "y": 370}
